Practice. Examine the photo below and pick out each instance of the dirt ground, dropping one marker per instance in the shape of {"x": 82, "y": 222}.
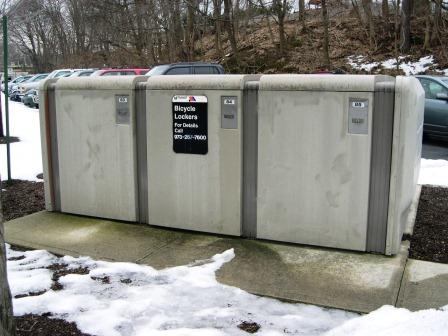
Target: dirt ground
{"x": 430, "y": 238}
{"x": 21, "y": 198}
{"x": 37, "y": 325}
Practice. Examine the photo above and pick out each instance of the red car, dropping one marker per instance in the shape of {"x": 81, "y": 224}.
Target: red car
{"x": 120, "y": 72}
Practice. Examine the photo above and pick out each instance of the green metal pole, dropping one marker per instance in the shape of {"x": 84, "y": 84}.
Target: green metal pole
{"x": 5, "y": 65}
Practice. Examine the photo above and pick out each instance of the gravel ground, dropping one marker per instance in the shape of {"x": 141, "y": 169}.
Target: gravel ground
{"x": 430, "y": 238}
{"x": 44, "y": 325}
{"x": 21, "y": 198}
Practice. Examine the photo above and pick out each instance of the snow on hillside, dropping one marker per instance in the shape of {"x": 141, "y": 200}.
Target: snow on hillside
{"x": 409, "y": 68}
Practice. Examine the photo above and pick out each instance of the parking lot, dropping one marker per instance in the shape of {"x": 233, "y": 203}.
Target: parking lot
{"x": 435, "y": 149}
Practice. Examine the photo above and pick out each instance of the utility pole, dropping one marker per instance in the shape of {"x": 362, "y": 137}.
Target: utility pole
{"x": 5, "y": 72}
{"x": 2, "y": 135}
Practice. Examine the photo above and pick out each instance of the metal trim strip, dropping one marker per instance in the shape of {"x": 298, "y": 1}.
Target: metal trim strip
{"x": 52, "y": 135}
{"x": 380, "y": 165}
{"x": 250, "y": 159}
{"x": 142, "y": 163}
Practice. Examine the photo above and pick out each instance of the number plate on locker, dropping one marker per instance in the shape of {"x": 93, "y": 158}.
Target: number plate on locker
{"x": 358, "y": 116}
{"x": 122, "y": 109}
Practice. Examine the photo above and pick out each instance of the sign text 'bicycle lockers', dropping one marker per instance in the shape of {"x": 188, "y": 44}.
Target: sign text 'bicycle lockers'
{"x": 190, "y": 124}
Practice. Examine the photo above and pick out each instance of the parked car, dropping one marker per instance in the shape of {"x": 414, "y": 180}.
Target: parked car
{"x": 32, "y": 83}
{"x": 15, "y": 95}
{"x": 15, "y": 86}
{"x": 120, "y": 72}
{"x": 15, "y": 81}
{"x": 436, "y": 105}
{"x": 31, "y": 98}
{"x": 189, "y": 68}
{"x": 60, "y": 73}
{"x": 81, "y": 73}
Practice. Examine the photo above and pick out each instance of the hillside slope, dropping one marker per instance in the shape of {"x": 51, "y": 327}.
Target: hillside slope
{"x": 347, "y": 38}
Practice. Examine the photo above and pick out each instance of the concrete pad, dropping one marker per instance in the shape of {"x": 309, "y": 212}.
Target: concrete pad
{"x": 424, "y": 285}
{"x": 349, "y": 280}
{"x": 76, "y": 235}
{"x": 341, "y": 279}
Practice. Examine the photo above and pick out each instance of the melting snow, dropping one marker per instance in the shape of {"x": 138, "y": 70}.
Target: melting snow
{"x": 26, "y": 158}
{"x": 140, "y": 300}
{"x": 187, "y": 300}
{"x": 391, "y": 321}
{"x": 433, "y": 172}
{"x": 409, "y": 67}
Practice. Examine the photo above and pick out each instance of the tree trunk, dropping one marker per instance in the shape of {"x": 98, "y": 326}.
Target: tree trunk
{"x": 6, "y": 317}
{"x": 435, "y": 38}
{"x": 302, "y": 10}
{"x": 236, "y": 17}
{"x": 385, "y": 8}
{"x": 217, "y": 17}
{"x": 178, "y": 32}
{"x": 279, "y": 7}
{"x": 397, "y": 32}
{"x": 406, "y": 26}
{"x": 427, "y": 42}
{"x": 367, "y": 6}
{"x": 190, "y": 30}
{"x": 325, "y": 21}
{"x": 229, "y": 28}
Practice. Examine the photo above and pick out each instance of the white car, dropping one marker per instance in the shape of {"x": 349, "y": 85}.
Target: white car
{"x": 61, "y": 73}
{"x": 32, "y": 83}
{"x": 81, "y": 73}
{"x": 15, "y": 81}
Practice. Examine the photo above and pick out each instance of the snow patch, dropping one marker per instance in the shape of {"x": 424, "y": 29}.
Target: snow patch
{"x": 26, "y": 157}
{"x": 186, "y": 300}
{"x": 138, "y": 300}
{"x": 391, "y": 321}
{"x": 434, "y": 172}
{"x": 29, "y": 275}
{"x": 409, "y": 68}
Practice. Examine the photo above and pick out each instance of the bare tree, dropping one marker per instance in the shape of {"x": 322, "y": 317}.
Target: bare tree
{"x": 85, "y": 33}
{"x": 436, "y": 23}
{"x": 302, "y": 10}
{"x": 190, "y": 29}
{"x": 367, "y": 6}
{"x": 406, "y": 26}
{"x": 385, "y": 8}
{"x": 229, "y": 28}
{"x": 280, "y": 7}
{"x": 325, "y": 21}
{"x": 217, "y": 4}
{"x": 427, "y": 14}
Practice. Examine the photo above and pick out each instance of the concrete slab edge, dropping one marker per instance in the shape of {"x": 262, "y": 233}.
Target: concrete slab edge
{"x": 412, "y": 215}
{"x": 54, "y": 250}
